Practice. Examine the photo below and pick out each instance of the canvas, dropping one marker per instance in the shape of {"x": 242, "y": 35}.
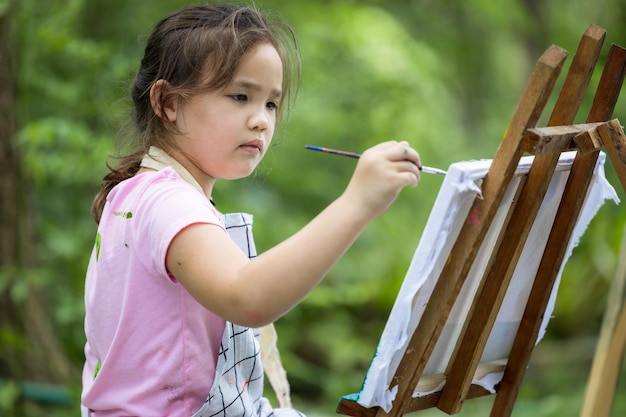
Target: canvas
{"x": 453, "y": 207}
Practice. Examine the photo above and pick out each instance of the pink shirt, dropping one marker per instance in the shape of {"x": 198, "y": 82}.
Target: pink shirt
{"x": 152, "y": 346}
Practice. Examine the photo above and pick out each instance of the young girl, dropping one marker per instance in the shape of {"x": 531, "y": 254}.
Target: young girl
{"x": 173, "y": 287}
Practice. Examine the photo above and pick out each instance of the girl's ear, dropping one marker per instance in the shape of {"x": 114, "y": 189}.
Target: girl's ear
{"x": 165, "y": 110}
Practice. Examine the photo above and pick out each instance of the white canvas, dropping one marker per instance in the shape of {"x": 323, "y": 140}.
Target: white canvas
{"x": 451, "y": 209}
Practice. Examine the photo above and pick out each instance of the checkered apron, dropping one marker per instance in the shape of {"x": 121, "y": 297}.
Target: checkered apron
{"x": 237, "y": 390}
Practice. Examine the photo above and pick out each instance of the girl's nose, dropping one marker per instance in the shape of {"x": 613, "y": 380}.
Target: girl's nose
{"x": 260, "y": 120}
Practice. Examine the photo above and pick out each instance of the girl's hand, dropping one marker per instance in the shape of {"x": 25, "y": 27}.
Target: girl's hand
{"x": 382, "y": 171}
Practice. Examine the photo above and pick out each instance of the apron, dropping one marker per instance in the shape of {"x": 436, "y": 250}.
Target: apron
{"x": 237, "y": 389}
{"x": 238, "y": 386}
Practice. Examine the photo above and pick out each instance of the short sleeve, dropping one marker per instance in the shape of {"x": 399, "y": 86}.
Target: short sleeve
{"x": 167, "y": 206}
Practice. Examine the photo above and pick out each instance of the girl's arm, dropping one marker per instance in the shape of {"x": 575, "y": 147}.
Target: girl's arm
{"x": 259, "y": 291}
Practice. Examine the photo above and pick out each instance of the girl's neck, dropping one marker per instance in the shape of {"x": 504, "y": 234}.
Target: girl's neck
{"x": 157, "y": 159}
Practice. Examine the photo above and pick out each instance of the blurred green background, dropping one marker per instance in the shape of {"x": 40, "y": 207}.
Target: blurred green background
{"x": 445, "y": 75}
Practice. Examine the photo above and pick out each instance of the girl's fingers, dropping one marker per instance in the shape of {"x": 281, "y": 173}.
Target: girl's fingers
{"x": 404, "y": 152}
{"x": 381, "y": 173}
{"x": 409, "y": 171}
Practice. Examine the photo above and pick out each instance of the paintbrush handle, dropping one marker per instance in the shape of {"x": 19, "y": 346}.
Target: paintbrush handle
{"x": 333, "y": 151}
{"x": 356, "y": 155}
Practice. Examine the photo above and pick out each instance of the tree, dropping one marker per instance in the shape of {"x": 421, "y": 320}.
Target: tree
{"x": 30, "y": 350}
{"x": 9, "y": 189}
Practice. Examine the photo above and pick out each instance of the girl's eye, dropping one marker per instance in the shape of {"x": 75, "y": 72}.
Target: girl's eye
{"x": 272, "y": 106}
{"x": 239, "y": 97}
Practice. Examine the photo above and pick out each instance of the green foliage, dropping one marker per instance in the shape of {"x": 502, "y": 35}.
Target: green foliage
{"x": 444, "y": 75}
{"x": 9, "y": 393}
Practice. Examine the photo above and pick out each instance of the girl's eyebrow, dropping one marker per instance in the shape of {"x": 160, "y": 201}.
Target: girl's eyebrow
{"x": 249, "y": 85}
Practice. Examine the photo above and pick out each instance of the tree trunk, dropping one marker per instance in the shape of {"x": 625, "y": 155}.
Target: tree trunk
{"x": 30, "y": 349}
{"x": 8, "y": 190}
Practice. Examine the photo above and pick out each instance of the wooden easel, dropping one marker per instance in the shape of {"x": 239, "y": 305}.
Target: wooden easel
{"x": 546, "y": 144}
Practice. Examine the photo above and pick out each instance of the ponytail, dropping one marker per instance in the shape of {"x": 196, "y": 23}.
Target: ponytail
{"x": 127, "y": 168}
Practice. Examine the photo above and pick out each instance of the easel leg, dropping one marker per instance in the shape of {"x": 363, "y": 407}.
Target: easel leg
{"x": 609, "y": 354}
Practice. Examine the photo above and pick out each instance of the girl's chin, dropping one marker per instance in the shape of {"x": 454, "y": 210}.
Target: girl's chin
{"x": 238, "y": 175}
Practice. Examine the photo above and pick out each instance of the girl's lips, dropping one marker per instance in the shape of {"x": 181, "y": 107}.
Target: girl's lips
{"x": 254, "y": 145}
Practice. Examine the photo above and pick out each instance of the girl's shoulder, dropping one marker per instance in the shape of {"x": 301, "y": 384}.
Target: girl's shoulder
{"x": 163, "y": 190}
{"x": 166, "y": 180}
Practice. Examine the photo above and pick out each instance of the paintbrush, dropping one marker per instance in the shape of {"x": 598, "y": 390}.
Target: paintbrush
{"x": 356, "y": 155}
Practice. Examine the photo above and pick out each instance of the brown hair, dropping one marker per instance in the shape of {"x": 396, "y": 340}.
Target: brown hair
{"x": 196, "y": 48}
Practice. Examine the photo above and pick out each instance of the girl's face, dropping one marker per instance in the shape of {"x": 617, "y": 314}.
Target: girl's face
{"x": 225, "y": 133}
